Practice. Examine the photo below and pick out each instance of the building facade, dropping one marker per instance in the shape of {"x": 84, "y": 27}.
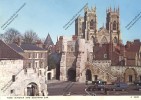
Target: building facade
{"x": 94, "y": 53}
{"x": 18, "y": 78}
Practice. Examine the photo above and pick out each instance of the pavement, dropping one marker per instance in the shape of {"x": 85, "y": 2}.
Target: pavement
{"x": 60, "y": 88}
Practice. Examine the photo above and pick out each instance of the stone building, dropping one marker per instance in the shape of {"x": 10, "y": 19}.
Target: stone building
{"x": 18, "y": 77}
{"x": 94, "y": 53}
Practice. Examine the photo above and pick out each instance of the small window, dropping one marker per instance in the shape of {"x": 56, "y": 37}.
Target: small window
{"x": 30, "y": 55}
{"x": 36, "y": 55}
{"x": 36, "y": 64}
{"x": 12, "y": 91}
{"x": 105, "y": 55}
{"x": 13, "y": 78}
{"x": 40, "y": 72}
{"x": 41, "y": 65}
{"x": 29, "y": 65}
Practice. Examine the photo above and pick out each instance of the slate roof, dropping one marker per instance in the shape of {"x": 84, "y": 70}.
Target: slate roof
{"x": 48, "y": 41}
{"x": 7, "y": 53}
{"x": 16, "y": 47}
{"x": 31, "y": 47}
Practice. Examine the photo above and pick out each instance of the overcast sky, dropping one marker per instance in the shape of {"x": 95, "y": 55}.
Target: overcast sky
{"x": 49, "y": 16}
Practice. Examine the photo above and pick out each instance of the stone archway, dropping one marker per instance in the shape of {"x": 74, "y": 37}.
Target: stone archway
{"x": 32, "y": 89}
{"x": 88, "y": 75}
{"x": 130, "y": 75}
{"x": 49, "y": 76}
{"x": 72, "y": 75}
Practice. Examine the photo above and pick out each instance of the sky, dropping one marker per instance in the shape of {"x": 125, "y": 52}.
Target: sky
{"x": 49, "y": 16}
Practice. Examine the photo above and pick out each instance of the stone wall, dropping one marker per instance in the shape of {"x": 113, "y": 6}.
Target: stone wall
{"x": 22, "y": 78}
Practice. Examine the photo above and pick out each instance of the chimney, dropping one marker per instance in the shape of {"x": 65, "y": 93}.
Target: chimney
{"x": 137, "y": 41}
{"x": 128, "y": 44}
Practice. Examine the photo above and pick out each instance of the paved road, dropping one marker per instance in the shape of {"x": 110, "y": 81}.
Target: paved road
{"x": 75, "y": 88}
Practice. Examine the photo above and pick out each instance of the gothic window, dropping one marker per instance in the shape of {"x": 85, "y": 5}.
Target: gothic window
{"x": 91, "y": 24}
{"x": 104, "y": 40}
{"x": 115, "y": 40}
{"x": 114, "y": 25}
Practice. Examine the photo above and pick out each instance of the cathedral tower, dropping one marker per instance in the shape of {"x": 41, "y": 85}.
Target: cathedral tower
{"x": 86, "y": 27}
{"x": 113, "y": 25}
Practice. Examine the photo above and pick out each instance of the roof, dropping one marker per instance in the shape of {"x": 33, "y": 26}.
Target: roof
{"x": 102, "y": 29}
{"x": 16, "y": 47}
{"x": 6, "y": 52}
{"x": 31, "y": 47}
{"x": 48, "y": 41}
{"x": 134, "y": 48}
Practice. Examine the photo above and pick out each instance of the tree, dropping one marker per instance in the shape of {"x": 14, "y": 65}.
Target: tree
{"x": 2, "y": 37}
{"x": 30, "y": 37}
{"x": 51, "y": 62}
{"x": 10, "y": 35}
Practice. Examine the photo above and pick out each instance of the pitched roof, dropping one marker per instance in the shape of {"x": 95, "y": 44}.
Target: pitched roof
{"x": 48, "y": 41}
{"x": 134, "y": 48}
{"x": 31, "y": 47}
{"x": 16, "y": 47}
{"x": 6, "y": 52}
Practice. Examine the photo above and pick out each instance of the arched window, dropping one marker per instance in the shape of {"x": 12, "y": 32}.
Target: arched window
{"x": 115, "y": 40}
{"x": 91, "y": 24}
{"x": 114, "y": 25}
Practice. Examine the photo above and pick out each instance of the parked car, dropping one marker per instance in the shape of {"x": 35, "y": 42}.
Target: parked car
{"x": 138, "y": 87}
{"x": 99, "y": 85}
{"x": 136, "y": 82}
{"x": 120, "y": 86}
{"x": 99, "y": 82}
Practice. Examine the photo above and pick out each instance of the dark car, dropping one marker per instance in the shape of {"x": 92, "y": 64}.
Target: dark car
{"x": 119, "y": 86}
{"x": 99, "y": 85}
{"x": 90, "y": 88}
{"x": 99, "y": 82}
{"x": 137, "y": 82}
{"x": 138, "y": 87}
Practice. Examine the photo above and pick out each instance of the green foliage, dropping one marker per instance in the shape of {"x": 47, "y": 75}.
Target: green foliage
{"x": 51, "y": 63}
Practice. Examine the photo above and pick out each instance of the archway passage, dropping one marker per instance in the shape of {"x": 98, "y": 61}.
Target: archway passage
{"x": 88, "y": 75}
{"x": 32, "y": 89}
{"x": 130, "y": 75}
{"x": 49, "y": 76}
{"x": 72, "y": 75}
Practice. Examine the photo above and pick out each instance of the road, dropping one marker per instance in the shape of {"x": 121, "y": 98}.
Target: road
{"x": 75, "y": 88}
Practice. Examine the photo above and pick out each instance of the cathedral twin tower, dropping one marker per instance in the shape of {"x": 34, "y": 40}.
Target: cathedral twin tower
{"x": 86, "y": 27}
